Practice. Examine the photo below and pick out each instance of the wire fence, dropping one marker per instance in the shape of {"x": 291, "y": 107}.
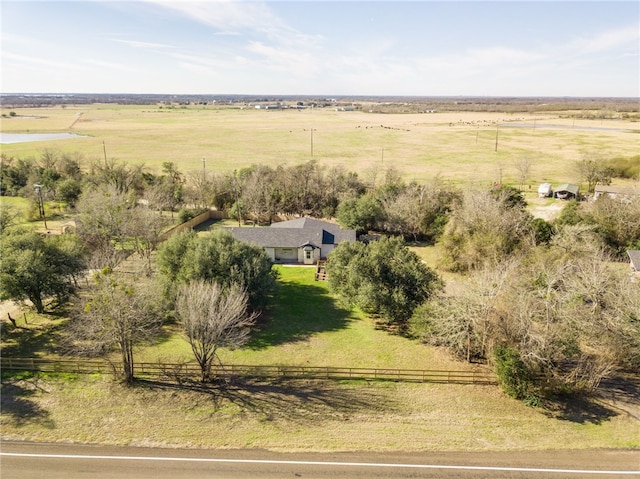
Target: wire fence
{"x": 191, "y": 369}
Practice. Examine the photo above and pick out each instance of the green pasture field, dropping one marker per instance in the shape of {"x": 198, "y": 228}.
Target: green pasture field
{"x": 306, "y": 328}
{"x": 458, "y": 146}
{"x": 20, "y": 205}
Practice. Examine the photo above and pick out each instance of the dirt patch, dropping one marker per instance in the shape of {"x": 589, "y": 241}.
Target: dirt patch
{"x": 622, "y": 393}
{"x": 546, "y": 208}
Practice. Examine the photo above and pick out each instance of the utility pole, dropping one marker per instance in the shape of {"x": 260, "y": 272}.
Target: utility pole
{"x": 497, "y": 130}
{"x": 38, "y": 189}
{"x": 311, "y": 141}
{"x": 236, "y": 190}
{"x": 203, "y": 186}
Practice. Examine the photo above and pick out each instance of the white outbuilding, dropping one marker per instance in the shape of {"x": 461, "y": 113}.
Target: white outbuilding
{"x": 545, "y": 190}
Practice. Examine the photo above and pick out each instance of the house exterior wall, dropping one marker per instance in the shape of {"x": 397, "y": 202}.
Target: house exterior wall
{"x": 286, "y": 254}
{"x": 326, "y": 249}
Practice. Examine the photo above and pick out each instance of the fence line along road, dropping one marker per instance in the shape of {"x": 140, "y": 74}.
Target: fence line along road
{"x": 177, "y": 370}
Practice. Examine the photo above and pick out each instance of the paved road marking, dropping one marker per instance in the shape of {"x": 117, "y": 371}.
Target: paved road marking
{"x": 321, "y": 463}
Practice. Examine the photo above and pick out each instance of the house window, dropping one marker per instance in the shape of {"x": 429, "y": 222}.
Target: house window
{"x": 307, "y": 254}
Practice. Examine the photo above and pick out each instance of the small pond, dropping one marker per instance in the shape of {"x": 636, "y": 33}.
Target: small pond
{"x": 10, "y": 138}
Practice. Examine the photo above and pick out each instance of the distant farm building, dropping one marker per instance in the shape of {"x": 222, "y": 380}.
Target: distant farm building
{"x": 567, "y": 191}
{"x": 616, "y": 192}
{"x": 268, "y": 107}
{"x": 545, "y": 190}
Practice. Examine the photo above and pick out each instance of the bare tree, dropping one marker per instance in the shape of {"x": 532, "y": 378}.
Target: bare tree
{"x": 261, "y": 193}
{"x": 567, "y": 310}
{"x": 213, "y": 317}
{"x": 484, "y": 227}
{"x": 146, "y": 227}
{"x": 371, "y": 175}
{"x": 403, "y": 212}
{"x": 523, "y": 167}
{"x": 592, "y": 169}
{"x": 117, "y": 314}
{"x": 119, "y": 175}
{"x": 617, "y": 220}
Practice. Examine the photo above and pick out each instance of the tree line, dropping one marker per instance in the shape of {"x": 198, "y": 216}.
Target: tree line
{"x": 376, "y": 199}
{"x": 542, "y": 301}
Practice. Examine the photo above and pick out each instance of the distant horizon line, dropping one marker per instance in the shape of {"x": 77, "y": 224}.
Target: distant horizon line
{"x": 308, "y": 95}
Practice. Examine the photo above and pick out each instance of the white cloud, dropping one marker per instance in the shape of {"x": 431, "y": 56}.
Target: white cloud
{"x": 31, "y": 61}
{"x": 280, "y": 58}
{"x": 265, "y": 42}
{"x": 203, "y": 61}
{"x": 145, "y": 45}
{"x": 197, "y": 68}
{"x": 226, "y": 15}
{"x": 623, "y": 37}
{"x": 110, "y": 65}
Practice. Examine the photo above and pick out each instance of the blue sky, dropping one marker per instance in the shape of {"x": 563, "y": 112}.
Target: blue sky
{"x": 413, "y": 48}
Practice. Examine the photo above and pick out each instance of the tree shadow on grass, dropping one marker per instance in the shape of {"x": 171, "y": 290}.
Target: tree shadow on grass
{"x": 301, "y": 401}
{"x": 31, "y": 340}
{"x": 615, "y": 396}
{"x": 622, "y": 391}
{"x": 579, "y": 409}
{"x": 17, "y": 406}
{"x": 300, "y": 311}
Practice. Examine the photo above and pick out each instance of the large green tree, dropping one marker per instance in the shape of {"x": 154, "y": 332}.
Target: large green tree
{"x": 218, "y": 257}
{"x": 35, "y": 267}
{"x": 383, "y": 278}
{"x": 361, "y": 214}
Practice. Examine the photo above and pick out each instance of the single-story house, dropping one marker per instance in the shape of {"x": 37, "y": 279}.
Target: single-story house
{"x": 567, "y": 191}
{"x": 303, "y": 240}
{"x": 616, "y": 192}
{"x": 545, "y": 190}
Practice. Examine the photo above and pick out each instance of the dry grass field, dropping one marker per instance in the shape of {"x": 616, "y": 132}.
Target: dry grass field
{"x": 457, "y": 146}
{"x": 302, "y": 416}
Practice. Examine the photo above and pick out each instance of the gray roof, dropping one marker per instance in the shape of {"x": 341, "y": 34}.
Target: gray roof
{"x": 294, "y": 233}
{"x": 573, "y": 189}
{"x": 634, "y": 256}
{"x": 618, "y": 190}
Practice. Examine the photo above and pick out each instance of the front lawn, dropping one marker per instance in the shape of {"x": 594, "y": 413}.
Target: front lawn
{"x": 306, "y": 327}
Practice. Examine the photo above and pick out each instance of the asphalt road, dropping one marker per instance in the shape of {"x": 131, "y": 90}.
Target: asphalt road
{"x": 53, "y": 461}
